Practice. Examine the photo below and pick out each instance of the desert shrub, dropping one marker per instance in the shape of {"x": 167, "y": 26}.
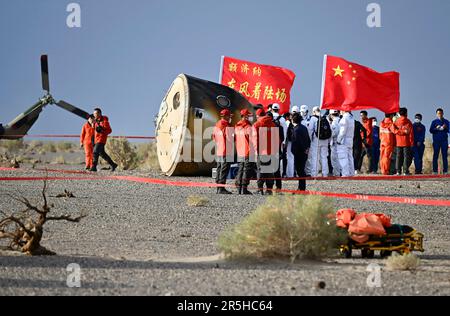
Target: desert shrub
{"x": 6, "y": 161}
{"x": 35, "y": 145}
{"x": 147, "y": 157}
{"x": 197, "y": 201}
{"x": 285, "y": 227}
{"x": 59, "y": 160}
{"x": 49, "y": 147}
{"x": 23, "y": 230}
{"x": 404, "y": 262}
{"x": 122, "y": 153}
{"x": 64, "y": 146}
{"x": 12, "y": 146}
{"x": 427, "y": 158}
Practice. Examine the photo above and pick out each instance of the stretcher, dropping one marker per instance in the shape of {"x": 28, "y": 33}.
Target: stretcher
{"x": 398, "y": 238}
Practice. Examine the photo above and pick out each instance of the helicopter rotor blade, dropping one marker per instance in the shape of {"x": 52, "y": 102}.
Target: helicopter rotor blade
{"x": 44, "y": 72}
{"x": 69, "y": 107}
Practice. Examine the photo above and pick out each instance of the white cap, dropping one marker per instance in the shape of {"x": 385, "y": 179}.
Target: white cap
{"x": 316, "y": 109}
{"x": 295, "y": 109}
{"x": 276, "y": 106}
{"x": 304, "y": 109}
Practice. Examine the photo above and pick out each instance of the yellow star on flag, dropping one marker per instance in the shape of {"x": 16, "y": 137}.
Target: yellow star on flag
{"x": 338, "y": 71}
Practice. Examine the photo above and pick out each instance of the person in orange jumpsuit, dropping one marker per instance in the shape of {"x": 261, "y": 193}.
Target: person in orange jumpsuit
{"x": 87, "y": 141}
{"x": 243, "y": 130}
{"x": 223, "y": 137}
{"x": 262, "y": 132}
{"x": 404, "y": 140}
{"x": 102, "y": 129}
{"x": 387, "y": 142}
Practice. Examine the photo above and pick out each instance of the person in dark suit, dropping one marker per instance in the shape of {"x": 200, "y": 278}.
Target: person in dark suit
{"x": 300, "y": 149}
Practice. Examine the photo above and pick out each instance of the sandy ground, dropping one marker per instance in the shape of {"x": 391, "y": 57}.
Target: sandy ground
{"x": 143, "y": 239}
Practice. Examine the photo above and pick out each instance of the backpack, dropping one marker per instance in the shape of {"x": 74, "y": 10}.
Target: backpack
{"x": 278, "y": 124}
{"x": 290, "y": 133}
{"x": 325, "y": 129}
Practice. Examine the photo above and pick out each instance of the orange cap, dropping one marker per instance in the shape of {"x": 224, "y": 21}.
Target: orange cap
{"x": 245, "y": 112}
{"x": 225, "y": 112}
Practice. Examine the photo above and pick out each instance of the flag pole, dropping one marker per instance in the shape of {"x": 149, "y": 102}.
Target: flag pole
{"x": 221, "y": 69}
{"x": 320, "y": 116}
{"x": 324, "y": 68}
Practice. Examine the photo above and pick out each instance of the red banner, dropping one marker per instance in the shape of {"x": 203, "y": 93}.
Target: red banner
{"x": 348, "y": 86}
{"x": 261, "y": 84}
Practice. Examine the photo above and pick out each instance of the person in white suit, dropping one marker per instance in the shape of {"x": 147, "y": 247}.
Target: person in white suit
{"x": 306, "y": 121}
{"x": 281, "y": 122}
{"x": 334, "y": 117}
{"x": 319, "y": 147}
{"x": 345, "y": 144}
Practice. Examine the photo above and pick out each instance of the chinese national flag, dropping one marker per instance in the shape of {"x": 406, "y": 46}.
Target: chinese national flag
{"x": 258, "y": 83}
{"x": 348, "y": 86}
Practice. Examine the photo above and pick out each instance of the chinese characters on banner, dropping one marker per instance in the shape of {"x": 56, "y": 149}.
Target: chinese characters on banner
{"x": 262, "y": 84}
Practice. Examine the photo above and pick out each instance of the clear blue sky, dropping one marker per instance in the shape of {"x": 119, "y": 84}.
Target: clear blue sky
{"x": 127, "y": 53}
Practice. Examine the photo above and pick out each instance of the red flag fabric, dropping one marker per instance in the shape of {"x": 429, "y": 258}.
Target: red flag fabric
{"x": 258, "y": 83}
{"x": 348, "y": 86}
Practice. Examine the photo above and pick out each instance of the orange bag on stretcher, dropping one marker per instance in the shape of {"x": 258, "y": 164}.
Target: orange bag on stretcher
{"x": 361, "y": 226}
{"x": 368, "y": 224}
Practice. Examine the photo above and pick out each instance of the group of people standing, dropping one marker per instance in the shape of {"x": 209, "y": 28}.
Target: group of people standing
{"x": 300, "y": 144}
{"x": 398, "y": 133}
{"x": 93, "y": 138}
{"x": 260, "y": 145}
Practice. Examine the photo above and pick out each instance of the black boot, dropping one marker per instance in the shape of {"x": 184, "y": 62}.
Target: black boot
{"x": 246, "y": 192}
{"x": 260, "y": 192}
{"x": 113, "y": 167}
{"x": 223, "y": 191}
{"x": 239, "y": 190}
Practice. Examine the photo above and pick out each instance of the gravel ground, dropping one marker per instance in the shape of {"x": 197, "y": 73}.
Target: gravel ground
{"x": 143, "y": 239}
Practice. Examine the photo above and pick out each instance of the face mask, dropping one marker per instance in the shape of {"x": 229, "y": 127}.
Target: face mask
{"x": 417, "y": 120}
{"x": 251, "y": 118}
{"x": 374, "y": 123}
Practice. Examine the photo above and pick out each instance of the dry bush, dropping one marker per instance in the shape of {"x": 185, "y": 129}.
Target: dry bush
{"x": 66, "y": 194}
{"x": 24, "y": 230}
{"x": 48, "y": 147}
{"x": 64, "y": 146}
{"x": 59, "y": 160}
{"x": 404, "y": 262}
{"x": 122, "y": 153}
{"x": 35, "y": 145}
{"x": 427, "y": 158}
{"x": 7, "y": 162}
{"x": 285, "y": 227}
{"x": 12, "y": 146}
{"x": 197, "y": 201}
{"x": 147, "y": 157}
